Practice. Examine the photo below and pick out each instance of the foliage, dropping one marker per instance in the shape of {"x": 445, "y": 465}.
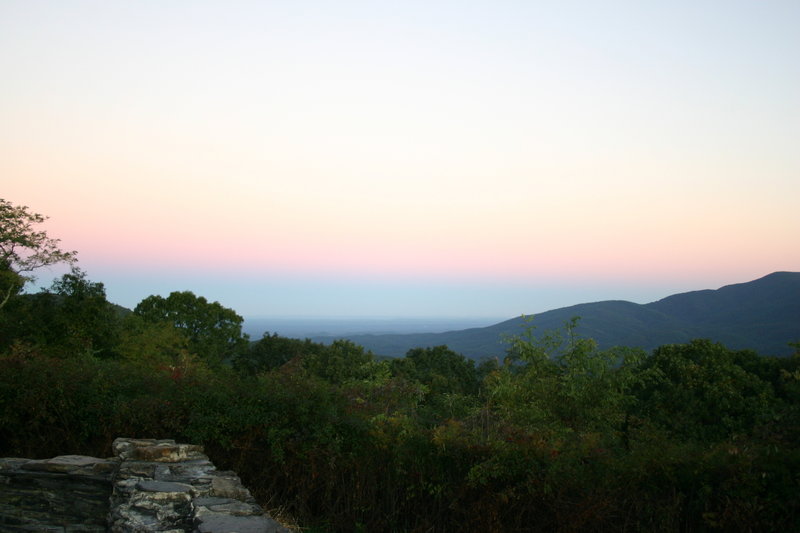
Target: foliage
{"x": 151, "y": 343}
{"x": 564, "y": 385}
{"x": 341, "y": 362}
{"x": 559, "y": 436}
{"x": 442, "y": 370}
{"x": 272, "y": 351}
{"x": 71, "y": 317}
{"x": 23, "y": 249}
{"x": 213, "y": 332}
{"x": 701, "y": 390}
{"x": 86, "y": 316}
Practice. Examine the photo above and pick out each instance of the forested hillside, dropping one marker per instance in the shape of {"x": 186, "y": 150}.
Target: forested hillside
{"x": 761, "y": 315}
{"x": 553, "y": 434}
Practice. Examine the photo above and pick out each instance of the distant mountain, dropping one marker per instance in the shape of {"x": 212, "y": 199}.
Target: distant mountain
{"x": 762, "y": 315}
{"x": 301, "y": 327}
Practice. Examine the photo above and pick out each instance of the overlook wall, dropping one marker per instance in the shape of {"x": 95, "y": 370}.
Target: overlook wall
{"x": 148, "y": 486}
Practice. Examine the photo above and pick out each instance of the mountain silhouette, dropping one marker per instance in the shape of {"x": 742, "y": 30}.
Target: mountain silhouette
{"x": 761, "y": 315}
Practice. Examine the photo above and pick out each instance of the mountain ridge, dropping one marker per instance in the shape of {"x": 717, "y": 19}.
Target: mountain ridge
{"x": 762, "y": 315}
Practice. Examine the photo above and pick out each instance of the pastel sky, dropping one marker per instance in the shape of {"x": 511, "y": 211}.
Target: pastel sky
{"x": 414, "y": 158}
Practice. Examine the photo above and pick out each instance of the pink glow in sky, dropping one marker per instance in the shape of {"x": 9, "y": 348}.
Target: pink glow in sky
{"x": 273, "y": 154}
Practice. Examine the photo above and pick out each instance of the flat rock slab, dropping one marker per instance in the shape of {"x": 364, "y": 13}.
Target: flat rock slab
{"x": 229, "y": 487}
{"x": 193, "y": 468}
{"x": 162, "y": 486}
{"x": 9, "y": 464}
{"x": 65, "y": 464}
{"x": 159, "y": 450}
{"x": 124, "y": 447}
{"x": 229, "y": 506}
{"x": 167, "y": 453}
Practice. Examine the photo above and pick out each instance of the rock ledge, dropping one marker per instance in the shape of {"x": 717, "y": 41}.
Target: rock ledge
{"x": 149, "y": 486}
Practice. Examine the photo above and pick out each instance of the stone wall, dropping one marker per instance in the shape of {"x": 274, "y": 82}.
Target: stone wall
{"x": 67, "y": 493}
{"x": 148, "y": 486}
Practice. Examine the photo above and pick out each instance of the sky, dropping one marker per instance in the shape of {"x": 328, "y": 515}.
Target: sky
{"x": 416, "y": 158}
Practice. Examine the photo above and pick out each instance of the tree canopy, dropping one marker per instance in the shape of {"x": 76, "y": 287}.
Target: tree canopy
{"x": 72, "y": 317}
{"x": 213, "y": 332}
{"x": 24, "y": 249}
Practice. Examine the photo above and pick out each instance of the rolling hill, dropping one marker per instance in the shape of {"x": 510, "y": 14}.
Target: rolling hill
{"x": 762, "y": 315}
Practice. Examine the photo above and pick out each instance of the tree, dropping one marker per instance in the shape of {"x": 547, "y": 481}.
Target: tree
{"x": 72, "y": 317}
{"x": 340, "y": 362}
{"x": 703, "y": 390}
{"x": 440, "y": 368}
{"x": 213, "y": 332}
{"x": 272, "y": 351}
{"x": 23, "y": 249}
{"x": 88, "y": 319}
{"x": 564, "y": 382}
{"x": 152, "y": 344}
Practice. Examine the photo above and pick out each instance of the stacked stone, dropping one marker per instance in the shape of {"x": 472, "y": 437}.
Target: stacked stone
{"x": 65, "y": 494}
{"x": 150, "y": 486}
{"x": 161, "y": 486}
